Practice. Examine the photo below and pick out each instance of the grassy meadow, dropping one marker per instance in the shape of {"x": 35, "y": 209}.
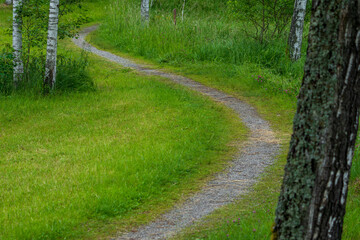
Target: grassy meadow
{"x": 211, "y": 48}
{"x": 84, "y": 164}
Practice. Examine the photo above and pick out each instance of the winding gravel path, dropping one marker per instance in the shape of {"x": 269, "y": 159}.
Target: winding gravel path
{"x": 257, "y": 153}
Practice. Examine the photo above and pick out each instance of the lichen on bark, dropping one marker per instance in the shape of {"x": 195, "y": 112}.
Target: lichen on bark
{"x": 316, "y": 173}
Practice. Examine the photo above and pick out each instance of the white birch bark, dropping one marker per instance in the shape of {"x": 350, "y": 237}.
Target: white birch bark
{"x": 182, "y": 11}
{"x": 51, "y": 49}
{"x": 296, "y": 30}
{"x": 8, "y": 2}
{"x": 17, "y": 42}
{"x": 145, "y": 9}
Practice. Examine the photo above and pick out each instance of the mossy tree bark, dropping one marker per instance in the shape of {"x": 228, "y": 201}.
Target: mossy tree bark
{"x": 296, "y": 29}
{"x": 17, "y": 42}
{"x": 313, "y": 196}
{"x": 51, "y": 49}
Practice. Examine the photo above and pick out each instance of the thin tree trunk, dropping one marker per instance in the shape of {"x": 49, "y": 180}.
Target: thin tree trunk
{"x": 182, "y": 11}
{"x": 145, "y": 8}
{"x": 152, "y": 1}
{"x": 313, "y": 196}
{"x": 296, "y": 29}
{"x": 17, "y": 42}
{"x": 51, "y": 50}
{"x": 8, "y": 2}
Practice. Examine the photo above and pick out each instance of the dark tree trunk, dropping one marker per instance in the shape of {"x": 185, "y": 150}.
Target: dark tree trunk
{"x": 313, "y": 196}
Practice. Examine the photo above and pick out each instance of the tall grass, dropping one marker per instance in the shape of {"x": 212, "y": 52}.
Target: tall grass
{"x": 196, "y": 39}
{"x": 72, "y": 74}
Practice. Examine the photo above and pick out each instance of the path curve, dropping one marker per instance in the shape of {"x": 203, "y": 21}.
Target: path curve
{"x": 257, "y": 153}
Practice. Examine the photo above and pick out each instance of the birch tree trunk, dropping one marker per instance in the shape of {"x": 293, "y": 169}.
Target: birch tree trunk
{"x": 145, "y": 9}
{"x": 51, "y": 49}
{"x": 314, "y": 191}
{"x": 17, "y": 42}
{"x": 296, "y": 29}
{"x": 8, "y": 2}
{"x": 182, "y": 11}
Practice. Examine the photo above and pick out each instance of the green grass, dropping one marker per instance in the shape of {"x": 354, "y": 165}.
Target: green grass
{"x": 5, "y": 21}
{"x": 67, "y": 159}
{"x": 86, "y": 164}
{"x": 214, "y": 52}
{"x": 196, "y": 39}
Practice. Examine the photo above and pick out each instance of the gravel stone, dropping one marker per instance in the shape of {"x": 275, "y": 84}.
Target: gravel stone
{"x": 253, "y": 157}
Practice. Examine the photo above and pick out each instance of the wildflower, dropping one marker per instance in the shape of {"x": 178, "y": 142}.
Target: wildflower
{"x": 254, "y": 230}
{"x": 254, "y": 211}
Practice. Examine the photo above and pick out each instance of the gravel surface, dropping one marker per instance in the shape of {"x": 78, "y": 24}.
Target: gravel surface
{"x": 253, "y": 157}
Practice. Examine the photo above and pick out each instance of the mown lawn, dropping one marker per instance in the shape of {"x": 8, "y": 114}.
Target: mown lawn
{"x": 84, "y": 165}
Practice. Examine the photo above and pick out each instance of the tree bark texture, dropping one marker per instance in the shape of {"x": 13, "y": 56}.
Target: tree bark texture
{"x": 145, "y": 9}
{"x": 51, "y": 49}
{"x": 314, "y": 191}
{"x": 296, "y": 29}
{"x": 8, "y": 2}
{"x": 17, "y": 42}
